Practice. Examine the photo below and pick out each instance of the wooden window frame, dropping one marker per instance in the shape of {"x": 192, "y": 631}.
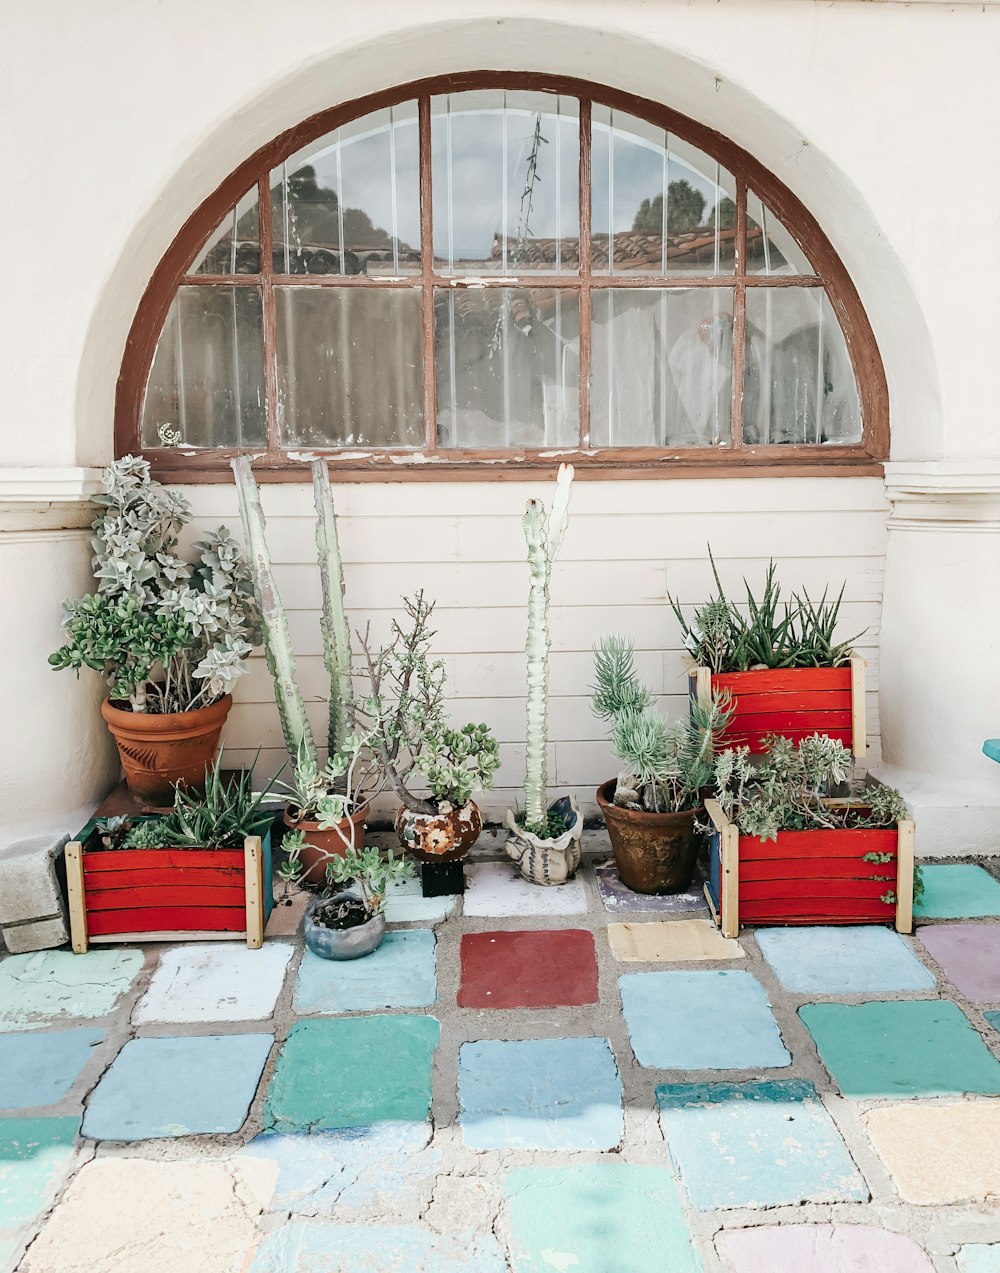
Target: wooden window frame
{"x": 186, "y": 464}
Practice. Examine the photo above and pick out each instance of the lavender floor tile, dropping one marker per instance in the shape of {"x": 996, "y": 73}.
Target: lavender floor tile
{"x": 619, "y": 899}
{"x": 820, "y": 1248}
{"x": 970, "y": 957}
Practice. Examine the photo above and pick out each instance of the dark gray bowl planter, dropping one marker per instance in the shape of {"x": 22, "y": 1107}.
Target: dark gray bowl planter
{"x": 342, "y": 943}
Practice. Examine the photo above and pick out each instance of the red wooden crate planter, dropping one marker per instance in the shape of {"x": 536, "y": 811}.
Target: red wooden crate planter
{"x": 808, "y": 877}
{"x": 168, "y": 894}
{"x": 795, "y": 702}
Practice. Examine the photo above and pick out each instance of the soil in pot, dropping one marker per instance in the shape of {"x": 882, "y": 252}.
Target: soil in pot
{"x": 348, "y": 912}
{"x": 159, "y": 750}
{"x": 654, "y": 852}
{"x": 321, "y": 845}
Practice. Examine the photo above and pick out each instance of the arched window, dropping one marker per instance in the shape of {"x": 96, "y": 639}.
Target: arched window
{"x": 486, "y": 272}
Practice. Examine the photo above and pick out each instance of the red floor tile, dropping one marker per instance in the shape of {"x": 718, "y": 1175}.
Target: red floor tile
{"x": 528, "y": 970}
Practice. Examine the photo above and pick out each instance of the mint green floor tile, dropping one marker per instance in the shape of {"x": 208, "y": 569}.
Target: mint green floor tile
{"x": 353, "y": 1071}
{"x": 957, "y": 891}
{"x": 924, "y": 1047}
{"x": 978, "y": 1257}
{"x": 50, "y": 986}
{"x": 596, "y": 1218}
{"x": 35, "y": 1154}
{"x": 8, "y": 1245}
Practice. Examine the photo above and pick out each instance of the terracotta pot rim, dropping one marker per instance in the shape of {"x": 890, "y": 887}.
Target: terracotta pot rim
{"x": 605, "y": 801}
{"x": 158, "y": 723}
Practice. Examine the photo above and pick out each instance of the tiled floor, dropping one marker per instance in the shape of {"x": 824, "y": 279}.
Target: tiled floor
{"x": 571, "y": 1080}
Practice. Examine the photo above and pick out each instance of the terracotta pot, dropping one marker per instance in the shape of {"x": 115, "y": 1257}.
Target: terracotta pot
{"x": 439, "y": 837}
{"x": 547, "y": 861}
{"x": 321, "y": 845}
{"x": 654, "y": 852}
{"x": 160, "y": 750}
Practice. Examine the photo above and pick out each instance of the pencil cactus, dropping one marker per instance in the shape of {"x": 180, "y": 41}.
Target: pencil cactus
{"x": 543, "y": 533}
{"x": 277, "y": 642}
{"x": 333, "y": 619}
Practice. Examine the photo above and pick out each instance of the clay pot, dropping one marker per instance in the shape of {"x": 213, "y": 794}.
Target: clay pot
{"x": 547, "y": 861}
{"x": 341, "y": 943}
{"x": 319, "y": 844}
{"x": 654, "y": 852}
{"x": 160, "y": 750}
{"x": 439, "y": 837}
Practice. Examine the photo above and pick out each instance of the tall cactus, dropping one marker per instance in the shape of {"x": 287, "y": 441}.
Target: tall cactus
{"x": 277, "y": 643}
{"x": 333, "y": 620}
{"x": 544, "y": 534}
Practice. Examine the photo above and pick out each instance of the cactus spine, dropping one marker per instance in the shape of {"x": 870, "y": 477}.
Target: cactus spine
{"x": 543, "y": 534}
{"x": 277, "y": 643}
{"x": 333, "y": 619}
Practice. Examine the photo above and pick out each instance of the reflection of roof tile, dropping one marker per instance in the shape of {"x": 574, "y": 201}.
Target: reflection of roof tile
{"x": 633, "y": 250}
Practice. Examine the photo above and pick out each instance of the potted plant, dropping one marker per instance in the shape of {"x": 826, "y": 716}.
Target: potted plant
{"x": 328, "y": 801}
{"x": 780, "y": 662}
{"x": 346, "y": 922}
{"x": 413, "y": 742}
{"x": 171, "y": 637}
{"x": 543, "y": 839}
{"x": 202, "y": 870}
{"x": 784, "y": 851}
{"x": 650, "y": 808}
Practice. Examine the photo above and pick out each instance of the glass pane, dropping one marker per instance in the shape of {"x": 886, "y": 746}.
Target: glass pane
{"x": 506, "y": 183}
{"x": 508, "y": 367}
{"x": 349, "y": 203}
{"x": 770, "y": 247}
{"x": 350, "y": 367}
{"x": 661, "y": 367}
{"x": 800, "y": 384}
{"x": 234, "y": 248}
{"x": 207, "y": 378}
{"x": 658, "y": 204}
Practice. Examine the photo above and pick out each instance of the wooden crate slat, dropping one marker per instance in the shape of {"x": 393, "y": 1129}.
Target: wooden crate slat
{"x": 794, "y": 700}
{"x": 815, "y": 910}
{"x": 784, "y": 679}
{"x": 754, "y": 739}
{"x": 99, "y": 861}
{"x": 117, "y": 899}
{"x": 150, "y": 877}
{"x": 854, "y": 842}
{"x": 835, "y": 868}
{"x": 778, "y": 722}
{"x": 167, "y": 918}
{"x": 818, "y": 885}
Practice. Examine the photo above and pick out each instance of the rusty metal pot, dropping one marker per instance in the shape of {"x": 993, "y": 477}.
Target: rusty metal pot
{"x": 654, "y": 852}
{"x": 439, "y": 837}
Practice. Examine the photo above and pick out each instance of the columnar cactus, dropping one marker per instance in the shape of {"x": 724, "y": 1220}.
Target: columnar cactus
{"x": 333, "y": 619}
{"x": 543, "y": 533}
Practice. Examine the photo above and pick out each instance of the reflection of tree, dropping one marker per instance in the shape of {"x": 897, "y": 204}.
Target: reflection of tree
{"x": 314, "y": 211}
{"x": 685, "y": 206}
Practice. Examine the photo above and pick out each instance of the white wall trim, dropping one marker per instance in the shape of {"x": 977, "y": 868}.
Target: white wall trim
{"x": 49, "y": 500}
{"x": 944, "y": 496}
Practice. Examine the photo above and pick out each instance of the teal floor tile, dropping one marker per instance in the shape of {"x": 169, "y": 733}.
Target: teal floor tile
{"x": 762, "y": 1144}
{"x": 51, "y": 986}
{"x": 540, "y": 1094}
{"x": 596, "y": 1218}
{"x": 993, "y": 1018}
{"x": 353, "y": 1071}
{"x": 400, "y": 974}
{"x": 35, "y": 1154}
{"x": 316, "y": 1247}
{"x": 159, "y": 1087}
{"x": 707, "y": 1020}
{"x": 957, "y": 891}
{"x": 924, "y": 1047}
{"x": 834, "y": 960}
{"x": 39, "y": 1068}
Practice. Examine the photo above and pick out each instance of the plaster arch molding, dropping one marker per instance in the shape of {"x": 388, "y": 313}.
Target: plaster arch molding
{"x": 684, "y": 80}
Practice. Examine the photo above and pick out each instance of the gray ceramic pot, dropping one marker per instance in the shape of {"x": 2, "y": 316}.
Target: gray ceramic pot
{"x": 342, "y": 943}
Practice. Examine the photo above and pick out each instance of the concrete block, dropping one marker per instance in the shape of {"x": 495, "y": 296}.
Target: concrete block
{"x": 39, "y": 934}
{"x": 29, "y": 888}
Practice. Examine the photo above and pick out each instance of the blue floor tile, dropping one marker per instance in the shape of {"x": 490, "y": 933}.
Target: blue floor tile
{"x": 852, "y": 960}
{"x": 39, "y": 1068}
{"x": 707, "y": 1020}
{"x": 400, "y": 974}
{"x": 763, "y": 1144}
{"x": 177, "y": 1087}
{"x": 336, "y": 1248}
{"x": 540, "y": 1094}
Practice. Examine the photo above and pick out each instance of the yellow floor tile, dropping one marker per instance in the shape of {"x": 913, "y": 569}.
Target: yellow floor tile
{"x": 940, "y": 1153}
{"x": 671, "y": 941}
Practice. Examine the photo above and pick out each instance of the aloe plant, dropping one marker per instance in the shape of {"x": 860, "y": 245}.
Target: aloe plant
{"x": 333, "y": 619}
{"x": 543, "y": 533}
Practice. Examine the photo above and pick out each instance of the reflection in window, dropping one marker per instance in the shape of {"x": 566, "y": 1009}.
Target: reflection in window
{"x": 506, "y": 183}
{"x": 659, "y": 204}
{"x": 661, "y": 367}
{"x": 800, "y": 385}
{"x": 350, "y": 369}
{"x": 349, "y": 202}
{"x": 508, "y": 367}
{"x": 770, "y": 247}
{"x": 207, "y": 378}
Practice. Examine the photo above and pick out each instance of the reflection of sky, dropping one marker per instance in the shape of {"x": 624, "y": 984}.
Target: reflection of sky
{"x": 479, "y": 179}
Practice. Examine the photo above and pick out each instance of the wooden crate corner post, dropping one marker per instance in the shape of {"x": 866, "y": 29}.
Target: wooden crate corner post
{"x": 906, "y": 831}
{"x": 254, "y": 860}
{"x": 729, "y": 870}
{"x": 77, "y": 897}
{"x": 859, "y": 723}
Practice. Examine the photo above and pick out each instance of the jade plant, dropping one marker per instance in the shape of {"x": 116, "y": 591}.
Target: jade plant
{"x": 408, "y": 730}
{"x": 367, "y": 871}
{"x": 665, "y": 767}
{"x": 167, "y": 634}
{"x": 773, "y": 633}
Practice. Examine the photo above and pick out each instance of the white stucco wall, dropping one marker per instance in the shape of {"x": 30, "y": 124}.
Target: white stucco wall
{"x": 120, "y": 117}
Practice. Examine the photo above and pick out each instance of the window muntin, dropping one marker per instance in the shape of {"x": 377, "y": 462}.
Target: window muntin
{"x": 502, "y": 339}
